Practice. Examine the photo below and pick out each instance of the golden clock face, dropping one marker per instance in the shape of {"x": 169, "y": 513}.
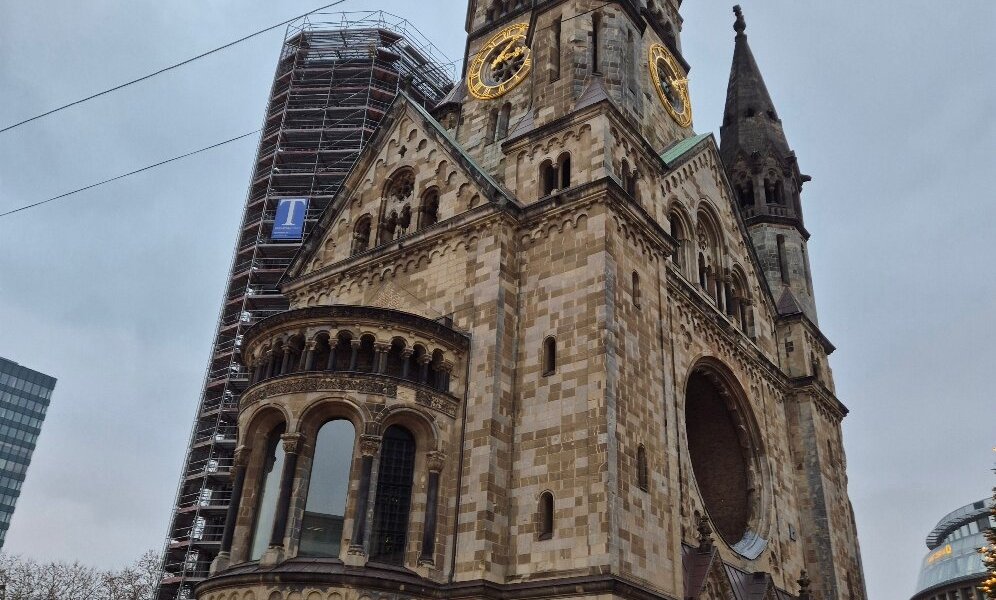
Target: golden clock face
{"x": 671, "y": 84}
{"x": 502, "y": 63}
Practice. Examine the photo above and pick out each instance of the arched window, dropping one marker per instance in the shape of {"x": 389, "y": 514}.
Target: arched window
{"x": 278, "y": 360}
{"x": 394, "y": 496}
{"x": 361, "y": 235}
{"x": 642, "y": 469}
{"x": 389, "y": 228}
{"x": 548, "y": 177}
{"x": 769, "y": 191}
{"x": 545, "y": 516}
{"x": 415, "y": 362}
{"x": 780, "y": 192}
{"x": 342, "y": 352}
{"x": 269, "y": 489}
{"x": 429, "y": 212}
{"x": 404, "y": 220}
{"x": 678, "y": 233}
{"x": 628, "y": 179}
{"x": 564, "y": 170}
{"x": 366, "y": 357}
{"x": 395, "y": 358}
{"x": 549, "y": 356}
{"x": 325, "y": 509}
{"x": 322, "y": 354}
{"x": 504, "y": 114}
{"x": 636, "y": 289}
{"x": 745, "y": 193}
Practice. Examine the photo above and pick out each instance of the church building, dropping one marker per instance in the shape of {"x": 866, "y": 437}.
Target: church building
{"x": 549, "y": 342}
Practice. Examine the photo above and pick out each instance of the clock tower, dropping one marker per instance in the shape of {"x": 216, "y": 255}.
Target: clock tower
{"x": 551, "y": 344}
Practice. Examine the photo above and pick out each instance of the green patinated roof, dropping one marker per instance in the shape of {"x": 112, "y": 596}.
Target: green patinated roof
{"x": 678, "y": 150}
{"x": 446, "y": 134}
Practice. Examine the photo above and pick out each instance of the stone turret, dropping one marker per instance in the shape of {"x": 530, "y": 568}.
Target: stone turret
{"x": 765, "y": 176}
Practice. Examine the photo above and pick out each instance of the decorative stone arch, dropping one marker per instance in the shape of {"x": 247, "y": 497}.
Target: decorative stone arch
{"x": 420, "y": 424}
{"x": 397, "y": 196}
{"x": 726, "y": 455}
{"x": 327, "y": 408}
{"x": 681, "y": 229}
{"x": 710, "y": 250}
{"x": 260, "y": 420}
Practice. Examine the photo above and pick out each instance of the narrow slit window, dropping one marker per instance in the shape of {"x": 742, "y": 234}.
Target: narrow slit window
{"x": 636, "y": 289}
{"x": 545, "y": 516}
{"x": 642, "y": 469}
{"x": 782, "y": 264}
{"x": 596, "y": 24}
{"x": 555, "y": 50}
{"x": 549, "y": 356}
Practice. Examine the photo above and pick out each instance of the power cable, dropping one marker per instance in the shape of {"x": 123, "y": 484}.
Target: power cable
{"x": 169, "y": 68}
{"x": 146, "y": 168}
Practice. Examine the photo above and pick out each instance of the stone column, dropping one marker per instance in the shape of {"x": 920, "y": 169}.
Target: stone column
{"x": 369, "y": 447}
{"x": 285, "y": 362}
{"x": 380, "y": 357}
{"x": 309, "y": 356}
{"x": 445, "y": 369}
{"x": 269, "y": 357}
{"x": 223, "y": 560}
{"x": 330, "y": 365}
{"x": 292, "y": 446}
{"x": 354, "y": 355}
{"x": 423, "y": 368}
{"x": 406, "y": 356}
{"x": 434, "y": 463}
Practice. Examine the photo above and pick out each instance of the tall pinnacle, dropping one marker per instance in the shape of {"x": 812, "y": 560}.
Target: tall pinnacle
{"x": 750, "y": 121}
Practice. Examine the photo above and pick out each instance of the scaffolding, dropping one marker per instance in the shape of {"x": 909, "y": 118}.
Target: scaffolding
{"x": 336, "y": 77}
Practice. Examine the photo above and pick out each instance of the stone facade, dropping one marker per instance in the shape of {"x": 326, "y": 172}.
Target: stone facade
{"x": 575, "y": 286}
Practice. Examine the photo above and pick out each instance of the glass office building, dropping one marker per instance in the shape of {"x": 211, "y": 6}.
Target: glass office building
{"x": 24, "y": 398}
{"x": 953, "y": 567}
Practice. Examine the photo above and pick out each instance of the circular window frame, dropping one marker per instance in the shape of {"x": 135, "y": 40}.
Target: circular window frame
{"x": 753, "y": 542}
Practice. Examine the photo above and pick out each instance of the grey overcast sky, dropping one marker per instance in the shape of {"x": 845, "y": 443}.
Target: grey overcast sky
{"x": 889, "y": 106}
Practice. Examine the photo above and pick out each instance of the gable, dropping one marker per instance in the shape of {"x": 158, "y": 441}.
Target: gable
{"x": 410, "y": 177}
{"x": 700, "y": 202}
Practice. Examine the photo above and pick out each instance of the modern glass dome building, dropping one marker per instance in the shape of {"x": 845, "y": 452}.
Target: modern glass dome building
{"x": 953, "y": 569}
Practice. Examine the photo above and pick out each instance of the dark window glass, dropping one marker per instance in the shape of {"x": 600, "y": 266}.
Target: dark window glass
{"x": 394, "y": 496}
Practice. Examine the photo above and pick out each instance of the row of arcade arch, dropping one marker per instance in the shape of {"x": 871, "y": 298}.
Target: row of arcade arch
{"x": 399, "y": 214}
{"x": 701, "y": 256}
{"x": 347, "y": 351}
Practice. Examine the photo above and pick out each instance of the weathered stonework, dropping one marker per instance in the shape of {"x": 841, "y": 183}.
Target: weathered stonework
{"x": 559, "y": 332}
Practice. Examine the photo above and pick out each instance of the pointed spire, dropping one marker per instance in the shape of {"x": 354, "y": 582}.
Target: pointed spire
{"x": 750, "y": 122}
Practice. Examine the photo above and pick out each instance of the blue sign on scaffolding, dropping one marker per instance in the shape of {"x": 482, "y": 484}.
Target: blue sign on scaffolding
{"x": 289, "y": 224}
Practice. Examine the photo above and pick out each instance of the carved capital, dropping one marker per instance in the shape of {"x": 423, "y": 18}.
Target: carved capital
{"x": 311, "y": 345}
{"x": 369, "y": 444}
{"x": 435, "y": 460}
{"x": 425, "y": 359}
{"x": 407, "y": 353}
{"x": 242, "y": 454}
{"x": 382, "y": 347}
{"x": 447, "y": 366}
{"x": 355, "y": 343}
{"x": 292, "y": 442}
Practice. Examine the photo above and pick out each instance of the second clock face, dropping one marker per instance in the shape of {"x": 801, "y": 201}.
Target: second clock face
{"x": 501, "y": 64}
{"x": 671, "y": 84}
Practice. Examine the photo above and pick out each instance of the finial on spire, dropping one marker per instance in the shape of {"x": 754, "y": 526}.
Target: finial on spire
{"x": 741, "y": 25}
{"x": 705, "y": 535}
